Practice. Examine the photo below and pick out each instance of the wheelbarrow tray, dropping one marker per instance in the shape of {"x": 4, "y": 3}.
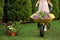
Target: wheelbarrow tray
{"x": 48, "y": 20}
{"x": 43, "y": 20}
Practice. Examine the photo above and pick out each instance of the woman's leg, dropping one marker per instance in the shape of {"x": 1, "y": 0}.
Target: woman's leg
{"x": 47, "y": 26}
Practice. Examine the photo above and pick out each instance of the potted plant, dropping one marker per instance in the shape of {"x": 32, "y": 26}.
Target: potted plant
{"x": 17, "y": 26}
{"x": 11, "y": 31}
{"x": 13, "y": 28}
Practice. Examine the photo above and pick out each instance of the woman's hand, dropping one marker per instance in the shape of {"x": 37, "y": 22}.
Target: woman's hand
{"x": 49, "y": 2}
{"x": 37, "y": 3}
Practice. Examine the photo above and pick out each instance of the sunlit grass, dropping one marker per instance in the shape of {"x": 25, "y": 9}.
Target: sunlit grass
{"x": 30, "y": 31}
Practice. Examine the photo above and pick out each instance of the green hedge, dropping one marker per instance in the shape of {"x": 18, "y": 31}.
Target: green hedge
{"x": 56, "y": 8}
{"x": 22, "y": 9}
{"x": 25, "y": 9}
{"x": 1, "y": 8}
{"x": 34, "y": 9}
{"x": 19, "y": 9}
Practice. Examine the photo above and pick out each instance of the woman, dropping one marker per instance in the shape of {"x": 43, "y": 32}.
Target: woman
{"x": 43, "y": 3}
{"x": 43, "y": 6}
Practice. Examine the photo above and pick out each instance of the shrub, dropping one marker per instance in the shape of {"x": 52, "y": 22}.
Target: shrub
{"x": 55, "y": 7}
{"x": 19, "y": 9}
{"x": 1, "y": 9}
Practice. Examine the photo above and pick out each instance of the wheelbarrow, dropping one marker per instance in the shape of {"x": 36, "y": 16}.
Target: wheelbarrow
{"x": 44, "y": 22}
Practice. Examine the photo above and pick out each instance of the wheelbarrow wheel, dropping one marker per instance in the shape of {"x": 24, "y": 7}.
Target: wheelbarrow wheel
{"x": 42, "y": 31}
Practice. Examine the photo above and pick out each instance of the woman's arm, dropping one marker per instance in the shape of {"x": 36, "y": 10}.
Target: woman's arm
{"x": 37, "y": 3}
{"x": 49, "y": 2}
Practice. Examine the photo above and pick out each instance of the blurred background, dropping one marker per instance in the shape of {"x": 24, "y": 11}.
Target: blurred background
{"x": 21, "y": 10}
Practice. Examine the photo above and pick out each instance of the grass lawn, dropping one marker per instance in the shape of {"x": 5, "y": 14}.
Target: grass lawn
{"x": 30, "y": 31}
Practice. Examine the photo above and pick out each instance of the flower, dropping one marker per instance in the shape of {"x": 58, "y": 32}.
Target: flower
{"x": 11, "y": 29}
{"x": 44, "y": 15}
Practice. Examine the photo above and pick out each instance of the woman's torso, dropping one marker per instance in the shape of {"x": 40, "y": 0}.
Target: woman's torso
{"x": 43, "y": 6}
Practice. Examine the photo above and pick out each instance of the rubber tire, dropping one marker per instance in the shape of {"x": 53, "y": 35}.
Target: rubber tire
{"x": 41, "y": 30}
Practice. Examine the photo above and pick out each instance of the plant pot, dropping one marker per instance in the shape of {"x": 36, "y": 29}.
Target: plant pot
{"x": 0, "y": 21}
{"x": 13, "y": 33}
{"x": 8, "y": 32}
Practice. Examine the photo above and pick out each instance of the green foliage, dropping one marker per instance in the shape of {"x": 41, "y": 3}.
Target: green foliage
{"x": 1, "y": 8}
{"x": 1, "y": 3}
{"x": 33, "y": 6}
{"x": 55, "y": 7}
{"x": 10, "y": 10}
{"x": 25, "y": 9}
{"x": 59, "y": 8}
{"x": 16, "y": 25}
{"x": 19, "y": 9}
{"x": 22, "y": 9}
